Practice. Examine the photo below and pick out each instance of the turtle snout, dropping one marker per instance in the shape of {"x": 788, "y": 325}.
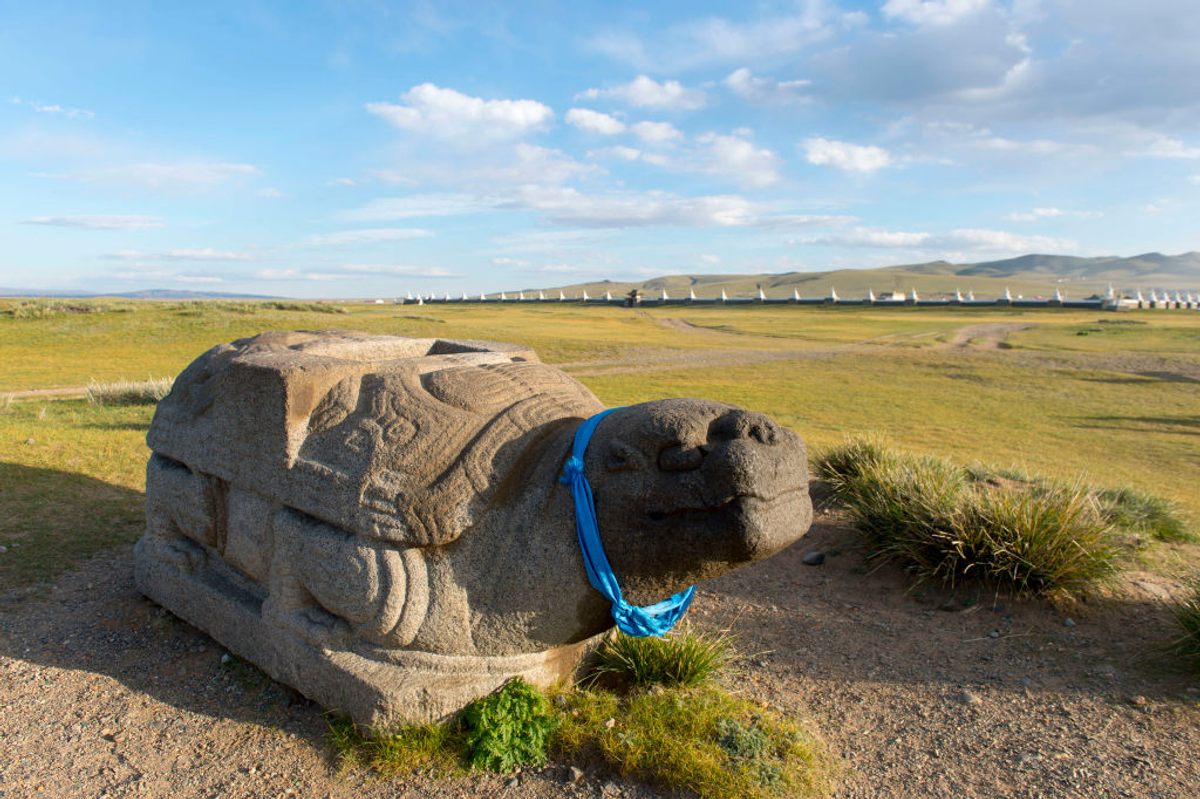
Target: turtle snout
{"x": 739, "y": 424}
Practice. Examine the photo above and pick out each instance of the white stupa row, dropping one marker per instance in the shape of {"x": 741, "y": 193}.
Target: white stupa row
{"x": 1155, "y": 298}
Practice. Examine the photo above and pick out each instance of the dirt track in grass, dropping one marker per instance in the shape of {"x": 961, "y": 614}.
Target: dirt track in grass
{"x": 917, "y": 694}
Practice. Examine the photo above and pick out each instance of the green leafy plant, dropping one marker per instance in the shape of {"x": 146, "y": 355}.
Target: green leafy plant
{"x": 509, "y": 728}
{"x": 685, "y": 658}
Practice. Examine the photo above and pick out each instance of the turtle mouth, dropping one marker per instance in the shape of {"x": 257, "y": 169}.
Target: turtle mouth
{"x": 735, "y": 504}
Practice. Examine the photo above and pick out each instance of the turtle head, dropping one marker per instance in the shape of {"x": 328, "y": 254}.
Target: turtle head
{"x": 687, "y": 489}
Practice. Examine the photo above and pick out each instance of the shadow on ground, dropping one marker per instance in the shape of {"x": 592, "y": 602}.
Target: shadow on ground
{"x": 852, "y": 618}
{"x": 1180, "y": 425}
{"x": 93, "y": 619}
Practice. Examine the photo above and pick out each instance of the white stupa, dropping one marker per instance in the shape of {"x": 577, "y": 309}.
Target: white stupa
{"x": 1007, "y": 295}
{"x": 761, "y": 296}
{"x": 608, "y": 296}
{"x": 663, "y": 295}
{"x": 870, "y": 296}
{"x": 1111, "y": 293}
{"x": 419, "y": 300}
{"x": 833, "y": 297}
{"x": 691, "y": 295}
{"x": 970, "y": 295}
{"x": 912, "y": 294}
{"x": 584, "y": 297}
{"x": 541, "y": 295}
{"x": 561, "y": 296}
{"x": 724, "y": 296}
{"x": 1058, "y": 295}
{"x": 795, "y": 295}
{"x": 958, "y": 297}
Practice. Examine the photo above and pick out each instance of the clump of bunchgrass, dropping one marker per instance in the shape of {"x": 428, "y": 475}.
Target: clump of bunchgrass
{"x": 703, "y": 740}
{"x": 1052, "y": 541}
{"x": 848, "y": 459}
{"x": 311, "y": 307}
{"x": 509, "y": 729}
{"x": 129, "y": 392}
{"x": 685, "y": 658}
{"x": 1139, "y": 512}
{"x": 1187, "y": 615}
{"x": 946, "y": 522}
{"x": 438, "y": 748}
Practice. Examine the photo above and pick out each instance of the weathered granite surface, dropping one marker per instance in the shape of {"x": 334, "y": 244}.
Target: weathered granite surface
{"x": 377, "y": 521}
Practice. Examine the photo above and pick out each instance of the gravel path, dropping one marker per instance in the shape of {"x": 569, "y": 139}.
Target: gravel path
{"x": 104, "y": 694}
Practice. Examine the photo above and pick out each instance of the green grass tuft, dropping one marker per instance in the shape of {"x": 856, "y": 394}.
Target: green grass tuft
{"x": 1187, "y": 614}
{"x": 687, "y": 658}
{"x": 509, "y": 729}
{"x": 129, "y": 392}
{"x": 436, "y": 748}
{"x": 946, "y": 522}
{"x": 702, "y": 740}
{"x": 1139, "y": 512}
{"x": 848, "y": 459}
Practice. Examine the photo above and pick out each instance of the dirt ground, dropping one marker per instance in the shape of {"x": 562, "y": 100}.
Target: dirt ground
{"x": 918, "y": 694}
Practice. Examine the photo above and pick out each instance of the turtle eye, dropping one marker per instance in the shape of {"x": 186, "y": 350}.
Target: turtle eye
{"x": 680, "y": 459}
{"x": 622, "y": 457}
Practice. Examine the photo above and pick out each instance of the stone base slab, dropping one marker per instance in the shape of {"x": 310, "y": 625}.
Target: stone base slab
{"x": 409, "y": 688}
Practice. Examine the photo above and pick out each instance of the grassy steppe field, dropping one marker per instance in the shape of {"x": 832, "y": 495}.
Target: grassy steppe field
{"x": 1114, "y": 397}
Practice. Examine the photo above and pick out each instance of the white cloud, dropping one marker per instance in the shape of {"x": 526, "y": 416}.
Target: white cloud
{"x": 932, "y": 12}
{"x": 1167, "y": 147}
{"x": 1052, "y": 213}
{"x": 366, "y": 236}
{"x": 342, "y": 182}
{"x": 963, "y": 239}
{"x": 532, "y": 164}
{"x": 183, "y": 254}
{"x": 656, "y": 132}
{"x": 645, "y": 92}
{"x": 630, "y": 209}
{"x": 397, "y": 270}
{"x": 271, "y": 193}
{"x": 506, "y": 261}
{"x": 199, "y": 279}
{"x": 846, "y": 156}
{"x": 763, "y": 90}
{"x": 100, "y": 221}
{"x": 618, "y": 151}
{"x": 739, "y": 159}
{"x": 387, "y": 209}
{"x": 446, "y": 113}
{"x": 595, "y": 122}
{"x": 1194, "y": 179}
{"x": 714, "y": 40}
{"x": 710, "y": 259}
{"x": 53, "y": 108}
{"x": 163, "y": 175}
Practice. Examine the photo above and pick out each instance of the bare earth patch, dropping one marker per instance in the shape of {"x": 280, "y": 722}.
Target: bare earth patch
{"x": 917, "y": 693}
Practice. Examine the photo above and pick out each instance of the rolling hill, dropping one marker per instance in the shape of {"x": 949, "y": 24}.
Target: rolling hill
{"x": 1029, "y": 275}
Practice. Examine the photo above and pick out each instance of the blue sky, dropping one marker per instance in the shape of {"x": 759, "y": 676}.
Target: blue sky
{"x": 372, "y": 148}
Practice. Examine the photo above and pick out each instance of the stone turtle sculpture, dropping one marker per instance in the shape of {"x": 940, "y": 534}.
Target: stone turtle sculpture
{"x": 378, "y": 522}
